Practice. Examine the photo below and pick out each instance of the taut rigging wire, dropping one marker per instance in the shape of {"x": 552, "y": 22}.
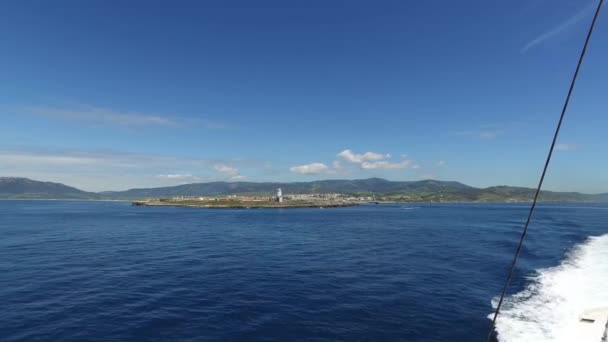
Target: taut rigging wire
{"x": 542, "y": 177}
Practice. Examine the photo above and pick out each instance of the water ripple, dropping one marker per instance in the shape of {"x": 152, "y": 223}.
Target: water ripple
{"x": 89, "y": 271}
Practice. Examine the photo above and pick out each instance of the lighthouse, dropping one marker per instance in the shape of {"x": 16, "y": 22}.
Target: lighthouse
{"x": 279, "y": 195}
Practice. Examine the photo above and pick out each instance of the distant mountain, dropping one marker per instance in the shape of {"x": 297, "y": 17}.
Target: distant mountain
{"x": 381, "y": 189}
{"x": 357, "y": 186}
{"x": 17, "y": 187}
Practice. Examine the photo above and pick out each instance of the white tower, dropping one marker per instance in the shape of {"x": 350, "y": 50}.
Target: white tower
{"x": 279, "y": 195}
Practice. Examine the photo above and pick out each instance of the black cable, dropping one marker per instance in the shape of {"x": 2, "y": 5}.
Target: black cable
{"x": 542, "y": 177}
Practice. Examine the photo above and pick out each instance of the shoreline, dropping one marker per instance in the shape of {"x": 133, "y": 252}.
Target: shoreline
{"x": 355, "y": 203}
{"x": 66, "y": 199}
{"x": 246, "y": 205}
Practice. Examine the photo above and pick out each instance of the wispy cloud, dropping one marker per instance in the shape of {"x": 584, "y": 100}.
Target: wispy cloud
{"x": 98, "y": 170}
{"x": 489, "y": 134}
{"x": 427, "y": 176}
{"x": 385, "y": 165}
{"x": 56, "y": 160}
{"x": 441, "y": 163}
{"x": 229, "y": 171}
{"x": 566, "y": 147}
{"x": 563, "y": 26}
{"x": 177, "y": 176}
{"x": 486, "y": 134}
{"x": 104, "y": 116}
{"x": 40, "y": 158}
{"x": 226, "y": 170}
{"x": 309, "y": 169}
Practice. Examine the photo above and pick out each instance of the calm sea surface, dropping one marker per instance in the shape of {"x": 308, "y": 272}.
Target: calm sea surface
{"x": 107, "y": 271}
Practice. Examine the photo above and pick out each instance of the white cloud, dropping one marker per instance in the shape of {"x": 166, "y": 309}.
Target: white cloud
{"x": 101, "y": 170}
{"x": 415, "y": 166}
{"x": 441, "y": 163}
{"x": 226, "y": 170}
{"x": 309, "y": 169}
{"x": 229, "y": 171}
{"x": 373, "y": 160}
{"x": 565, "y": 25}
{"x": 348, "y": 155}
{"x": 337, "y": 165}
{"x": 566, "y": 147}
{"x": 385, "y": 165}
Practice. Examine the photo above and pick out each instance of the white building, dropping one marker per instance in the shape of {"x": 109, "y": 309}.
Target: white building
{"x": 279, "y": 195}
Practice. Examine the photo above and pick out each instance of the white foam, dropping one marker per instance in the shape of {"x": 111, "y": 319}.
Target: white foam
{"x": 548, "y": 309}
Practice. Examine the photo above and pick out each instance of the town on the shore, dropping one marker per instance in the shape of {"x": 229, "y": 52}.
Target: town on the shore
{"x": 260, "y": 201}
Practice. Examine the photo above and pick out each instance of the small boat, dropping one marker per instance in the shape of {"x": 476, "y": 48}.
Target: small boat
{"x": 593, "y": 325}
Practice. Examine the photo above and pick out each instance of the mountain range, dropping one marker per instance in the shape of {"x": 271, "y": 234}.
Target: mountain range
{"x": 380, "y": 189}
{"x": 24, "y": 188}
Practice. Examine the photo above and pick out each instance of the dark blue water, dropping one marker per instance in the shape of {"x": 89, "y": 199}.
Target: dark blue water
{"x": 100, "y": 271}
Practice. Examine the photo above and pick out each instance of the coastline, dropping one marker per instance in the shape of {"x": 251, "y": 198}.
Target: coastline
{"x": 66, "y": 199}
{"x": 243, "y": 205}
{"x": 133, "y": 200}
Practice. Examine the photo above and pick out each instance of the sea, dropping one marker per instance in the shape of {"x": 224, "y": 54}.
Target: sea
{"x": 109, "y": 271}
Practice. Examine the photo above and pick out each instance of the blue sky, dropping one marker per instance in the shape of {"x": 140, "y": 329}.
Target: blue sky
{"x": 108, "y": 95}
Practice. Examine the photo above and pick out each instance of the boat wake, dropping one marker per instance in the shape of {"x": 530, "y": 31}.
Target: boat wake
{"x": 549, "y": 307}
